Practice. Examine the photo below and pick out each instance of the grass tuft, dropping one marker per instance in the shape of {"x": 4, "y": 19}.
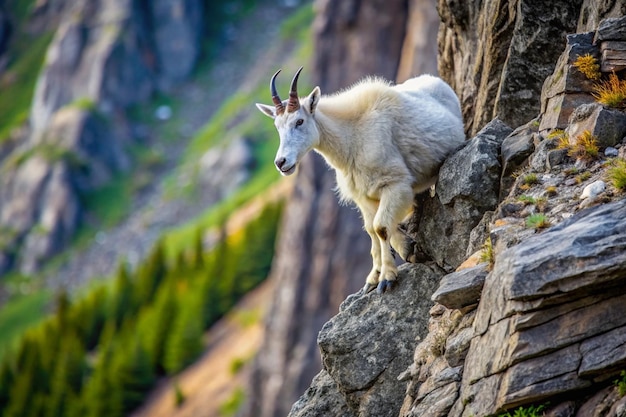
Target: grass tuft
{"x": 537, "y": 221}
{"x": 617, "y": 174}
{"x": 612, "y": 92}
{"x": 586, "y": 147}
{"x": 621, "y": 384}
{"x": 589, "y": 66}
{"x": 486, "y": 253}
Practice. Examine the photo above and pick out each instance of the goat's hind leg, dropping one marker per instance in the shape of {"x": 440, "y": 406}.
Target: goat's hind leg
{"x": 395, "y": 201}
{"x": 369, "y": 211}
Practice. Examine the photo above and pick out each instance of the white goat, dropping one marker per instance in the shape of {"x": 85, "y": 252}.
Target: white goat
{"x": 386, "y": 143}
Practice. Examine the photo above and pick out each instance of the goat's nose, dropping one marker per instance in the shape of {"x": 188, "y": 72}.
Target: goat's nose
{"x": 280, "y": 162}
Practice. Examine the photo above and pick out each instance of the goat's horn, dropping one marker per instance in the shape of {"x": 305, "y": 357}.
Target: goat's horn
{"x": 280, "y": 109}
{"x": 294, "y": 102}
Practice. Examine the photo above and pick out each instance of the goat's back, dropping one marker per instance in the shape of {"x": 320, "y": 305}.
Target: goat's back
{"x": 434, "y": 87}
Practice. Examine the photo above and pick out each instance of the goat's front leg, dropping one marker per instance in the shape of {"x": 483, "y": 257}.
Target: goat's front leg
{"x": 395, "y": 201}
{"x": 368, "y": 211}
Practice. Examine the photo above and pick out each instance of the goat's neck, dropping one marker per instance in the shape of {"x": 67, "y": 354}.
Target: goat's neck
{"x": 335, "y": 144}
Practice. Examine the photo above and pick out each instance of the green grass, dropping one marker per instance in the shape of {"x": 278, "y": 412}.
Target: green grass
{"x": 291, "y": 28}
{"x": 530, "y": 411}
{"x": 537, "y": 221}
{"x": 20, "y": 313}
{"x": 620, "y": 383}
{"x": 617, "y": 174}
{"x": 18, "y": 82}
{"x": 111, "y": 202}
{"x": 233, "y": 403}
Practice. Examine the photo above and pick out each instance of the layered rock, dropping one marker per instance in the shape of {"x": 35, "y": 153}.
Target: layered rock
{"x": 497, "y": 54}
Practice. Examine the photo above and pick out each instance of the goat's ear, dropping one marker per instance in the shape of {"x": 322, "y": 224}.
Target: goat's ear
{"x": 267, "y": 110}
{"x": 313, "y": 99}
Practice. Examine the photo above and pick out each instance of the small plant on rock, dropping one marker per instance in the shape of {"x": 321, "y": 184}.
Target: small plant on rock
{"x": 612, "y": 92}
{"x": 582, "y": 177}
{"x": 537, "y": 221}
{"x": 486, "y": 253}
{"x": 621, "y": 384}
{"x": 526, "y": 199}
{"x": 586, "y": 147}
{"x": 562, "y": 138}
{"x": 530, "y": 411}
{"x": 589, "y": 66}
{"x": 530, "y": 179}
{"x": 551, "y": 190}
{"x": 617, "y": 174}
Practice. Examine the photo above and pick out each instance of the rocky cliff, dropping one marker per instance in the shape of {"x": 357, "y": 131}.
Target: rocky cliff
{"x": 541, "y": 324}
{"x": 104, "y": 57}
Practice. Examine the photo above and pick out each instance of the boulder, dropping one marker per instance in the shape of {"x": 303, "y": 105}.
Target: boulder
{"x": 322, "y": 398}
{"x": 516, "y": 148}
{"x": 606, "y": 124}
{"x": 461, "y": 288}
{"x": 468, "y": 186}
{"x": 371, "y": 341}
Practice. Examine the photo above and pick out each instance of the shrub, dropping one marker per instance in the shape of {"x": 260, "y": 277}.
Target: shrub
{"x": 530, "y": 411}
{"x": 621, "y": 384}
{"x": 530, "y": 179}
{"x": 586, "y": 147}
{"x": 617, "y": 174}
{"x": 537, "y": 221}
{"x": 551, "y": 190}
{"x": 611, "y": 93}
{"x": 486, "y": 254}
{"x": 589, "y": 66}
{"x": 179, "y": 395}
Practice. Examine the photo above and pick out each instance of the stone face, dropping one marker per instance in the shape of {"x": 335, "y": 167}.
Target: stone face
{"x": 462, "y": 288}
{"x": 322, "y": 398}
{"x": 516, "y": 148}
{"x": 607, "y": 125}
{"x": 467, "y": 188}
{"x": 371, "y": 341}
{"x": 539, "y": 335}
{"x": 612, "y": 28}
{"x": 496, "y": 55}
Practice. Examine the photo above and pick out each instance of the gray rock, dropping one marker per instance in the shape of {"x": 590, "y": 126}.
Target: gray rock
{"x": 468, "y": 186}
{"x": 321, "y": 399}
{"x": 611, "y": 152}
{"x": 611, "y": 29}
{"x": 457, "y": 346}
{"x": 177, "y": 30}
{"x": 223, "y": 170}
{"x": 462, "y": 288}
{"x": 371, "y": 341}
{"x": 516, "y": 148}
{"x": 539, "y": 159}
{"x": 498, "y": 63}
{"x": 542, "y": 310}
{"x": 607, "y": 125}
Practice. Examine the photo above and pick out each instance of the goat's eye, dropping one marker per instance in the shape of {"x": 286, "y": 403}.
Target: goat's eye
{"x": 299, "y": 122}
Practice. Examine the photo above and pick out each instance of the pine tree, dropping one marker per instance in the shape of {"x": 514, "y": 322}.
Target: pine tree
{"x": 132, "y": 375}
{"x": 150, "y": 274}
{"x": 7, "y": 378}
{"x": 122, "y": 296}
{"x": 184, "y": 342}
{"x": 161, "y": 318}
{"x": 68, "y": 377}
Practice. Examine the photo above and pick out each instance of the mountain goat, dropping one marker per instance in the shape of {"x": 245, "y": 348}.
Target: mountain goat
{"x": 386, "y": 143}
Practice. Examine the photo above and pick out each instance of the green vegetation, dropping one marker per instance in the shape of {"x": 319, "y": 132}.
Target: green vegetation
{"x": 231, "y": 406}
{"x": 620, "y": 383}
{"x": 617, "y": 174}
{"x": 292, "y": 27}
{"x": 100, "y": 354}
{"x": 530, "y": 411}
{"x": 18, "y": 80}
{"x": 487, "y": 254}
{"x": 585, "y": 147}
{"x": 537, "y": 221}
{"x": 530, "y": 179}
{"x": 551, "y": 190}
{"x": 20, "y": 313}
{"x": 179, "y": 395}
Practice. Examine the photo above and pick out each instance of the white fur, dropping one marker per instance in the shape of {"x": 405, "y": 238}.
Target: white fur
{"x": 386, "y": 144}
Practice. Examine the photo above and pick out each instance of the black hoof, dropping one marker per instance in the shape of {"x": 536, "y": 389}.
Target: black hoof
{"x": 384, "y": 285}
